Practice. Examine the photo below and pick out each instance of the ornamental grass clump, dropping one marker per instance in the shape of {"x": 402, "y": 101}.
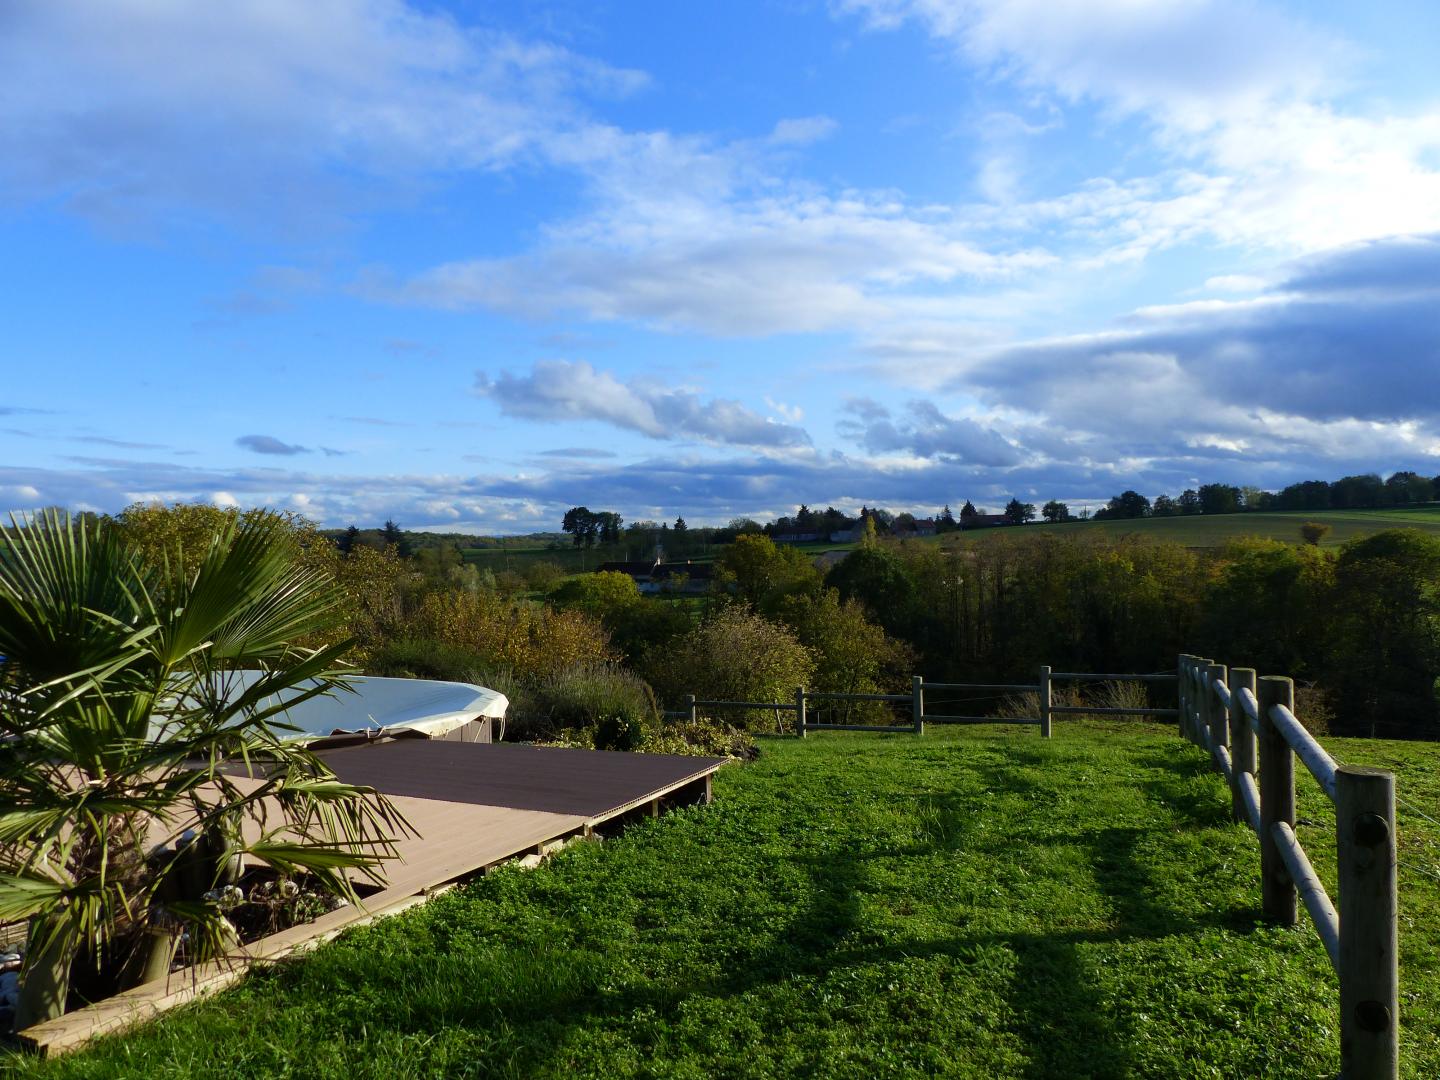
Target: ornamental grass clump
{"x": 617, "y": 705}
{"x": 125, "y": 719}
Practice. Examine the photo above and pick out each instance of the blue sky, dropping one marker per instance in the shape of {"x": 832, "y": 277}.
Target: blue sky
{"x": 466, "y": 265}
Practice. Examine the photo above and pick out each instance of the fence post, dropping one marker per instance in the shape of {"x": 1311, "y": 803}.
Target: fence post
{"x": 690, "y": 704}
{"x": 1045, "y": 701}
{"x": 1200, "y": 717}
{"x": 917, "y": 702}
{"x": 1369, "y": 955}
{"x": 1242, "y": 739}
{"x": 800, "y": 711}
{"x": 1181, "y": 696}
{"x": 1215, "y": 733}
{"x": 1192, "y": 695}
{"x": 1277, "y": 799}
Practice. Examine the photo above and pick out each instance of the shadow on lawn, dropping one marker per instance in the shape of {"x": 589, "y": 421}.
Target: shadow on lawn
{"x": 1059, "y": 1012}
{"x": 1057, "y": 1008}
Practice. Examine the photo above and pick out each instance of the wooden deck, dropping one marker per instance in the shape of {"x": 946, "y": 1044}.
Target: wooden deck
{"x": 595, "y": 784}
{"x": 473, "y": 806}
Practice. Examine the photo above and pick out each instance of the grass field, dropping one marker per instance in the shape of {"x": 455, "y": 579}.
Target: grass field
{"x": 571, "y": 559}
{"x": 978, "y": 903}
{"x": 1216, "y": 530}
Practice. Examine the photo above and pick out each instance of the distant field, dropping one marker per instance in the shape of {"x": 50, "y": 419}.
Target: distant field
{"x": 571, "y": 559}
{"x": 1202, "y": 531}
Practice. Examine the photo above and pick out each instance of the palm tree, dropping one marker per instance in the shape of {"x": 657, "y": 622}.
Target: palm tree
{"x": 123, "y": 725}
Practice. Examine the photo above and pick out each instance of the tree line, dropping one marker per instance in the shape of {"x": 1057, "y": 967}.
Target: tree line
{"x": 1359, "y": 627}
{"x": 1364, "y": 491}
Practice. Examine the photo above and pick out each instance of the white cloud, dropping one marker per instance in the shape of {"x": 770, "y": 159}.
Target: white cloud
{"x": 926, "y": 432}
{"x": 757, "y": 266}
{"x": 1190, "y": 62}
{"x": 134, "y": 108}
{"x": 801, "y": 131}
{"x": 1241, "y": 99}
{"x": 558, "y": 390}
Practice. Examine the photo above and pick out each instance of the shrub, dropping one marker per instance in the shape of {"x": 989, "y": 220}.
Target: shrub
{"x": 1106, "y": 695}
{"x": 1025, "y": 705}
{"x": 762, "y": 573}
{"x": 596, "y": 594}
{"x": 737, "y": 655}
{"x": 618, "y": 705}
{"x": 1313, "y": 710}
{"x": 542, "y": 575}
{"x": 1120, "y": 695}
{"x": 619, "y": 731}
{"x": 705, "y": 738}
{"x": 528, "y": 640}
{"x": 421, "y": 658}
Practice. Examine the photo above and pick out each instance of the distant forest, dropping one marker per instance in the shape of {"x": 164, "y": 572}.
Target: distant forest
{"x": 582, "y": 527}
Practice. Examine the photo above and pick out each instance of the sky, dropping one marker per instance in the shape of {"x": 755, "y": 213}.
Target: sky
{"x": 464, "y": 265}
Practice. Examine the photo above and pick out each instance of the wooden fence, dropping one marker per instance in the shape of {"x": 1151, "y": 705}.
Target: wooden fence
{"x": 1249, "y": 728}
{"x": 1042, "y": 688}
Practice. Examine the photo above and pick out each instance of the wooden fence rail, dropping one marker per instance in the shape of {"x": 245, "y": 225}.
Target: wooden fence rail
{"x": 1249, "y": 728}
{"x": 1041, "y": 688}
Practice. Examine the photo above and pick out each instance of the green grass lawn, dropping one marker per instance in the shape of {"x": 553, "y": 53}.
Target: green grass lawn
{"x": 1216, "y": 530}
{"x": 978, "y": 903}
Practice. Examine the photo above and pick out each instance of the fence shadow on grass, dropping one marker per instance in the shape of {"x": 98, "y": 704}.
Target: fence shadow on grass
{"x": 1057, "y": 1009}
{"x": 526, "y": 1005}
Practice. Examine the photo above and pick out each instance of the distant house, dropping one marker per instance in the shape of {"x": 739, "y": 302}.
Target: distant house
{"x": 922, "y": 527}
{"x": 847, "y": 536}
{"x": 795, "y": 537}
{"x": 687, "y": 577}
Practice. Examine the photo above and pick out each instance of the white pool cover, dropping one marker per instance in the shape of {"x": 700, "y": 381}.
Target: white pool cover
{"x": 378, "y": 707}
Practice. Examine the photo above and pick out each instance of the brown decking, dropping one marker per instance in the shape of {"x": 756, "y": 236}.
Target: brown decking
{"x": 473, "y": 805}
{"x": 594, "y": 784}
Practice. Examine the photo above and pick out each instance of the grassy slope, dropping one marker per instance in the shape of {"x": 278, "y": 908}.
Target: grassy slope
{"x": 979, "y": 904}
{"x": 1202, "y": 531}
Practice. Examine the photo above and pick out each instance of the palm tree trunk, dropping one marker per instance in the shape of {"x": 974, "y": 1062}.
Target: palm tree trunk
{"x": 45, "y": 984}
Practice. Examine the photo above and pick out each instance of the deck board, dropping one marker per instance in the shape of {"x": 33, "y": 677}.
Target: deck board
{"x": 592, "y": 783}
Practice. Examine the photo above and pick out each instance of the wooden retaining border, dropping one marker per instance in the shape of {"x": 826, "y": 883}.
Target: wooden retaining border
{"x": 1248, "y": 727}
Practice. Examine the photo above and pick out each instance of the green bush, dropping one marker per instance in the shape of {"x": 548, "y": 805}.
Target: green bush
{"x": 617, "y": 705}
{"x": 737, "y": 655}
{"x": 704, "y": 738}
{"x": 619, "y": 731}
{"x": 425, "y": 658}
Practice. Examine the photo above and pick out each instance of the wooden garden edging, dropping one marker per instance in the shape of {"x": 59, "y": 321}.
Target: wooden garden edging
{"x": 1248, "y": 727}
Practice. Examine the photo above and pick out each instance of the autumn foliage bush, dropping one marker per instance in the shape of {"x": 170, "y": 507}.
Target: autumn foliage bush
{"x": 529, "y": 640}
{"x": 736, "y": 655}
